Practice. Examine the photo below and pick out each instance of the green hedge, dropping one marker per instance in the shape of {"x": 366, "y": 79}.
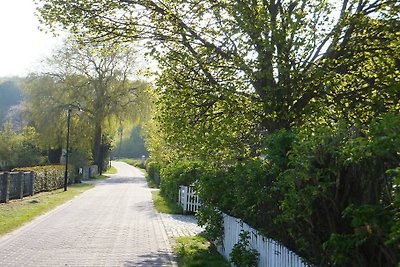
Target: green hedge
{"x": 49, "y": 177}
{"x": 153, "y": 170}
{"x": 329, "y": 192}
{"x": 179, "y": 173}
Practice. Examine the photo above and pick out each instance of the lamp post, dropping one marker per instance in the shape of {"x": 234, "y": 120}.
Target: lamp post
{"x": 66, "y": 154}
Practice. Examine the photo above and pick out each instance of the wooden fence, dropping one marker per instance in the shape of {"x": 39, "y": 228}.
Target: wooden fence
{"x": 188, "y": 199}
{"x": 271, "y": 252}
{"x": 14, "y": 185}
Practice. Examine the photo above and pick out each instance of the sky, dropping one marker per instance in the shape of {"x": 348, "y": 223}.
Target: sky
{"x": 22, "y": 45}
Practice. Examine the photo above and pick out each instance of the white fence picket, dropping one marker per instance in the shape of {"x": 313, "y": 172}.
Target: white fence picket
{"x": 271, "y": 252}
{"x": 188, "y": 199}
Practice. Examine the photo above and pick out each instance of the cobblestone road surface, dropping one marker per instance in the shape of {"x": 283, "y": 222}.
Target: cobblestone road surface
{"x": 113, "y": 224}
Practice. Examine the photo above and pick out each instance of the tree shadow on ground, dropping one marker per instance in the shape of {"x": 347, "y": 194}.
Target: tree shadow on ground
{"x": 160, "y": 258}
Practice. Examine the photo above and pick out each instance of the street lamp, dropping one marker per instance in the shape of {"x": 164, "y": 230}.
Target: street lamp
{"x": 66, "y": 153}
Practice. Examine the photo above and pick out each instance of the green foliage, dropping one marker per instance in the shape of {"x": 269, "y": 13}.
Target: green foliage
{"x": 164, "y": 205}
{"x": 371, "y": 224}
{"x": 233, "y": 74}
{"x": 337, "y": 187}
{"x": 134, "y": 162}
{"x": 394, "y": 236}
{"x": 92, "y": 78}
{"x": 324, "y": 192}
{"x": 254, "y": 68}
{"x": 197, "y": 251}
{"x": 20, "y": 149}
{"x": 131, "y": 147}
{"x": 242, "y": 254}
{"x": 211, "y": 219}
{"x": 179, "y": 173}
{"x": 153, "y": 169}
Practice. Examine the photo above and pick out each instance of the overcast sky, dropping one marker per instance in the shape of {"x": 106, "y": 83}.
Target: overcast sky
{"x": 22, "y": 45}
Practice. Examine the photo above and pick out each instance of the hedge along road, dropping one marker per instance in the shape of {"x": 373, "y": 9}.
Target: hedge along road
{"x": 113, "y": 224}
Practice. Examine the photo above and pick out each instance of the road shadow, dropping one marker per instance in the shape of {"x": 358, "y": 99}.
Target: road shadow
{"x": 156, "y": 259}
{"x": 125, "y": 180}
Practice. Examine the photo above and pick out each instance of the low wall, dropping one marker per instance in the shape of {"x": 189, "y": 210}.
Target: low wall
{"x": 89, "y": 172}
{"x": 16, "y": 185}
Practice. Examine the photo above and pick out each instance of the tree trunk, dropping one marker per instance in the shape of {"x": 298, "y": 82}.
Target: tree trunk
{"x": 96, "y": 152}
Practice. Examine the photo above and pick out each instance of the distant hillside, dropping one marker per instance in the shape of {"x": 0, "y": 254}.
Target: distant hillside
{"x": 10, "y": 95}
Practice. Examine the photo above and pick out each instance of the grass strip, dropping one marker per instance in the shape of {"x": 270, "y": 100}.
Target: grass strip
{"x": 111, "y": 170}
{"x": 17, "y": 212}
{"x": 134, "y": 162}
{"x": 197, "y": 251}
{"x": 163, "y": 205}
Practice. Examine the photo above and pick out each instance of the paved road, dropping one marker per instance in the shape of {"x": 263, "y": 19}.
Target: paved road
{"x": 113, "y": 224}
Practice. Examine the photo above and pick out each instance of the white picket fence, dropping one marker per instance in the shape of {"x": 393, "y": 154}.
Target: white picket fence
{"x": 188, "y": 199}
{"x": 272, "y": 253}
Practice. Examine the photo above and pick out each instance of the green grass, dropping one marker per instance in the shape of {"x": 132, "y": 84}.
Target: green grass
{"x": 197, "y": 251}
{"x": 134, "y": 162}
{"x": 163, "y": 205}
{"x": 99, "y": 177}
{"x": 17, "y": 212}
{"x": 111, "y": 170}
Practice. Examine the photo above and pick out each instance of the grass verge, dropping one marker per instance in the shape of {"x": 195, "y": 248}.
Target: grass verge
{"x": 17, "y": 212}
{"x": 134, "y": 162}
{"x": 111, "y": 170}
{"x": 163, "y": 205}
{"x": 150, "y": 182}
{"x": 197, "y": 251}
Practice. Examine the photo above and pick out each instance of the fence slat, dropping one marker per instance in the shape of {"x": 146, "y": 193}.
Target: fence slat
{"x": 188, "y": 199}
{"x": 271, "y": 253}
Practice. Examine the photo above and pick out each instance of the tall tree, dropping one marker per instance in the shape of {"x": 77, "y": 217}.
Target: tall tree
{"x": 95, "y": 79}
{"x": 220, "y": 57}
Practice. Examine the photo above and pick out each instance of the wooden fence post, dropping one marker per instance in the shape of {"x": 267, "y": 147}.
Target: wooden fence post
{"x": 7, "y": 191}
{"x": 20, "y": 184}
{"x": 32, "y": 183}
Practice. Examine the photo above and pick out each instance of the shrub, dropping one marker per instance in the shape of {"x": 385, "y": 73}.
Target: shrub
{"x": 179, "y": 173}
{"x": 153, "y": 171}
{"x": 330, "y": 193}
{"x": 48, "y": 177}
{"x": 242, "y": 254}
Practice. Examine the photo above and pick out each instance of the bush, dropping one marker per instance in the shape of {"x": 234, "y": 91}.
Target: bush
{"x": 330, "y": 193}
{"x": 179, "y": 173}
{"x": 134, "y": 162}
{"x": 48, "y": 178}
{"x": 153, "y": 169}
{"x": 242, "y": 254}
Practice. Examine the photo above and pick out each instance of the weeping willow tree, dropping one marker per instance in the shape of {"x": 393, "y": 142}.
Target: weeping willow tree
{"x": 96, "y": 82}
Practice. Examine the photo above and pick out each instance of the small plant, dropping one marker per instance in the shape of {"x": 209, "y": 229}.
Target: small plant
{"x": 164, "y": 205}
{"x": 212, "y": 219}
{"x": 242, "y": 254}
{"x": 197, "y": 251}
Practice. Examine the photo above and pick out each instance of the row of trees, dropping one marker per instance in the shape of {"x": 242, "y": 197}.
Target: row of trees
{"x": 291, "y": 104}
